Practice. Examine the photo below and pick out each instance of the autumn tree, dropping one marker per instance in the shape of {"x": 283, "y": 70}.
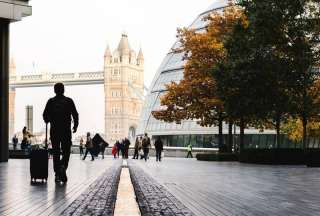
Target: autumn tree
{"x": 266, "y": 75}
{"x": 234, "y": 79}
{"x": 195, "y": 96}
{"x": 294, "y": 128}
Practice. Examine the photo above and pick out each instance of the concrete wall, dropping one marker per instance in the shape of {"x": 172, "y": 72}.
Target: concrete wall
{"x": 168, "y": 152}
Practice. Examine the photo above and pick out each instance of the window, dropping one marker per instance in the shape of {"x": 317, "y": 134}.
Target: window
{"x": 115, "y": 110}
{"x": 116, "y": 127}
{"x": 115, "y": 74}
{"x": 116, "y": 93}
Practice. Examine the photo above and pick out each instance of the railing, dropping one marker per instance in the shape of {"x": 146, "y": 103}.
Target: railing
{"x": 62, "y": 76}
{"x": 47, "y": 78}
{"x": 31, "y": 77}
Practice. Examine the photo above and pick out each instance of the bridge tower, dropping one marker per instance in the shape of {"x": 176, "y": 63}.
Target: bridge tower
{"x": 12, "y": 98}
{"x": 123, "y": 84}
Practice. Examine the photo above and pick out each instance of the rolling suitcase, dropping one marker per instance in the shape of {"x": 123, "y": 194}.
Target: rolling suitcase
{"x": 39, "y": 163}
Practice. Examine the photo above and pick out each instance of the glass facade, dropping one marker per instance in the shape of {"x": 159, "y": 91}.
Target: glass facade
{"x": 171, "y": 69}
{"x": 251, "y": 141}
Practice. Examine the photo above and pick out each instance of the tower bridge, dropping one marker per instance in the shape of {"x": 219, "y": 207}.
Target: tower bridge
{"x": 49, "y": 79}
{"x": 123, "y": 80}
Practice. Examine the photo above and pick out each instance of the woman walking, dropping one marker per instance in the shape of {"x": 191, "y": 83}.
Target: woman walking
{"x": 89, "y": 147}
{"x": 114, "y": 150}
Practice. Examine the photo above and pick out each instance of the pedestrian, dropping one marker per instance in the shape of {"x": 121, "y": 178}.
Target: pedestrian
{"x": 26, "y": 135}
{"x": 118, "y": 148}
{"x": 14, "y": 142}
{"x": 189, "y": 149}
{"x": 122, "y": 148}
{"x": 81, "y": 145}
{"x": 114, "y": 150}
{"x": 58, "y": 112}
{"x": 136, "y": 149}
{"x": 103, "y": 146}
{"x": 146, "y": 146}
{"x": 159, "y": 148}
{"x": 126, "y": 143}
{"x": 89, "y": 147}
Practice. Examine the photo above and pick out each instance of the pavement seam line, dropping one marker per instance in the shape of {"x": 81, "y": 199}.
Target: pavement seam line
{"x": 126, "y": 203}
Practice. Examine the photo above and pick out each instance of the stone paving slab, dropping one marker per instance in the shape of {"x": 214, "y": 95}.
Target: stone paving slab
{"x": 19, "y": 198}
{"x": 153, "y": 198}
{"x": 100, "y": 197}
{"x": 239, "y": 189}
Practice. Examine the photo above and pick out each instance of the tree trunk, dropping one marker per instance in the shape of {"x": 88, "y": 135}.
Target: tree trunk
{"x": 278, "y": 123}
{"x": 220, "y": 138}
{"x": 304, "y": 132}
{"x": 241, "y": 135}
{"x": 230, "y": 137}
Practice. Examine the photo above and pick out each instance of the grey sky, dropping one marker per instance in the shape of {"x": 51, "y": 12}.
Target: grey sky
{"x": 70, "y": 36}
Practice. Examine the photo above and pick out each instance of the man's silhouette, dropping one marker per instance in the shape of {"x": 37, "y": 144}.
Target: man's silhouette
{"x": 58, "y": 112}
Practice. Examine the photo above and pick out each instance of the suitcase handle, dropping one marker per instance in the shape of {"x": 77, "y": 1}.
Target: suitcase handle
{"x": 46, "y": 139}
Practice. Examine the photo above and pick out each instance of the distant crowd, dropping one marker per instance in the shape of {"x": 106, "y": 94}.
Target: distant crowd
{"x": 142, "y": 147}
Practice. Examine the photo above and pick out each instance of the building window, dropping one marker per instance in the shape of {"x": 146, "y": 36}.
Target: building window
{"x": 116, "y": 110}
{"x": 116, "y": 93}
{"x": 115, "y": 128}
{"x": 115, "y": 74}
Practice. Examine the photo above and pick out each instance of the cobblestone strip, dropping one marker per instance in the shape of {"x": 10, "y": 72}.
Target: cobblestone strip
{"x": 153, "y": 198}
{"x": 100, "y": 197}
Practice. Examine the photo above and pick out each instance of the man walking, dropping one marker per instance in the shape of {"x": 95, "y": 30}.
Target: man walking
{"x": 58, "y": 113}
{"x": 159, "y": 148}
{"x": 189, "y": 149}
{"x": 126, "y": 143}
{"x": 81, "y": 147}
{"x": 146, "y": 145}
{"x": 14, "y": 142}
{"x": 136, "y": 149}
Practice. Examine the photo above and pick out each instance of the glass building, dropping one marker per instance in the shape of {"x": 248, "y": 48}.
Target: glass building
{"x": 180, "y": 135}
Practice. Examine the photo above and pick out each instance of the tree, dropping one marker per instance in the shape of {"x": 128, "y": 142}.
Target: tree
{"x": 304, "y": 50}
{"x": 195, "y": 97}
{"x": 294, "y": 127}
{"x": 234, "y": 79}
{"x": 266, "y": 75}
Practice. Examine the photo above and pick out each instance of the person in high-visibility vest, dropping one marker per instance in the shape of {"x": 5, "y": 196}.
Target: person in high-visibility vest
{"x": 189, "y": 149}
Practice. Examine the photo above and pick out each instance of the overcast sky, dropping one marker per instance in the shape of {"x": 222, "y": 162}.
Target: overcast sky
{"x": 71, "y": 35}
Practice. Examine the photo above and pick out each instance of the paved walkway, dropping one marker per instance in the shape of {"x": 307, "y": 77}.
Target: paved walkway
{"x": 100, "y": 197}
{"x": 153, "y": 198}
{"x": 18, "y": 197}
{"x": 175, "y": 186}
{"x": 231, "y": 188}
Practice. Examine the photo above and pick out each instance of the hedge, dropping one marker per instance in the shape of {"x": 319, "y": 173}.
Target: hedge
{"x": 217, "y": 157}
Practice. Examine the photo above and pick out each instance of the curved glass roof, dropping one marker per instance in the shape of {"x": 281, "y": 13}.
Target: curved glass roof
{"x": 217, "y": 4}
{"x": 171, "y": 69}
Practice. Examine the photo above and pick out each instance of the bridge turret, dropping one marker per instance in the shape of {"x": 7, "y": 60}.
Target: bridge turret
{"x": 124, "y": 49}
{"x": 107, "y": 56}
{"x": 140, "y": 58}
{"x": 12, "y": 67}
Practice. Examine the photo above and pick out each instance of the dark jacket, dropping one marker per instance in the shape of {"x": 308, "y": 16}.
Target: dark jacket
{"x": 146, "y": 142}
{"x": 126, "y": 143}
{"x": 59, "y": 111}
{"x": 158, "y": 145}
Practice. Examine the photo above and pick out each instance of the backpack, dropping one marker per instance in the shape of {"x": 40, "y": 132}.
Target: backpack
{"x": 145, "y": 142}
